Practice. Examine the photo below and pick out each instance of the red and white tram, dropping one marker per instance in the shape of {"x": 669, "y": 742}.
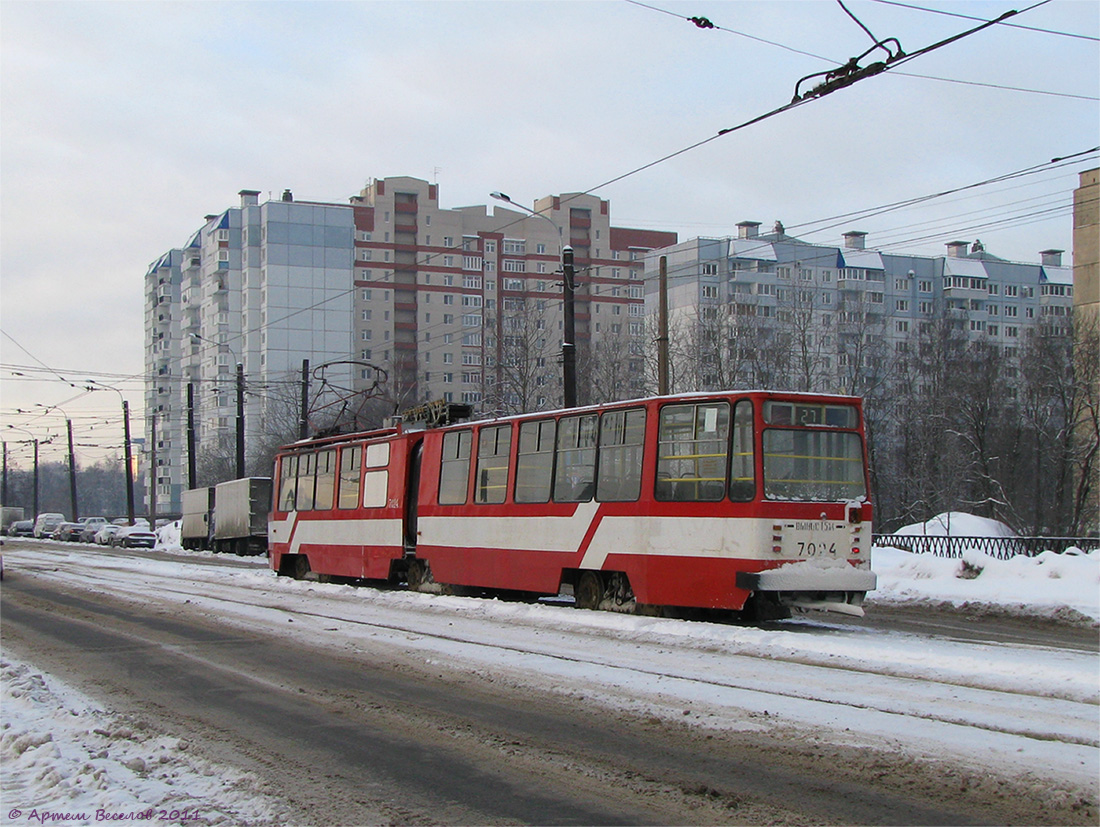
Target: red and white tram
{"x": 707, "y": 500}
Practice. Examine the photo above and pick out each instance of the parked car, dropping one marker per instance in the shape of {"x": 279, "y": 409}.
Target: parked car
{"x": 69, "y": 532}
{"x": 21, "y": 528}
{"x": 134, "y": 536}
{"x": 47, "y": 523}
{"x": 105, "y": 533}
{"x": 91, "y": 526}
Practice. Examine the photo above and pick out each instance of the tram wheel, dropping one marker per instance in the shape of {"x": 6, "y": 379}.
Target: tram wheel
{"x": 589, "y": 591}
{"x": 301, "y": 567}
{"x": 415, "y": 575}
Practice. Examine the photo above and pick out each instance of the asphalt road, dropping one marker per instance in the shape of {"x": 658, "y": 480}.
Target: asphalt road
{"x": 377, "y": 737}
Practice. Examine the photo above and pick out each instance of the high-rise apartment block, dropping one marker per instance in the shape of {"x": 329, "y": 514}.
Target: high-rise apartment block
{"x": 766, "y": 308}
{"x": 389, "y": 294}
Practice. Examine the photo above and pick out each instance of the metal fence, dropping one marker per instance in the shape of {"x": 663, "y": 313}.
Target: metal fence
{"x": 1000, "y": 548}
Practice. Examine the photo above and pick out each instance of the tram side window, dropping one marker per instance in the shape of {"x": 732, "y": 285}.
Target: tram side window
{"x": 692, "y": 452}
{"x": 376, "y": 482}
{"x": 535, "y": 465}
{"x": 306, "y": 466}
{"x": 493, "y": 447}
{"x": 288, "y": 482}
{"x": 348, "y": 494}
{"x": 326, "y": 480}
{"x": 575, "y": 477}
{"x": 454, "y": 472}
{"x": 743, "y": 463}
{"x": 622, "y": 443}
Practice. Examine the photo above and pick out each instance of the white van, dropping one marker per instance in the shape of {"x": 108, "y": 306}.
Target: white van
{"x": 46, "y": 523}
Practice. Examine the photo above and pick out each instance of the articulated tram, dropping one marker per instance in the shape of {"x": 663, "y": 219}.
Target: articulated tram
{"x": 753, "y": 501}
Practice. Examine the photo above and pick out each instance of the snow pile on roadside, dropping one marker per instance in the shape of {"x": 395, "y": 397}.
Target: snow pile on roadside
{"x": 1064, "y": 586}
{"x": 169, "y": 536}
{"x": 66, "y": 759}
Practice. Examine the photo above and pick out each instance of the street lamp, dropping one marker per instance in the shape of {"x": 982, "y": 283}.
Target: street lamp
{"x": 129, "y": 459}
{"x": 72, "y": 455}
{"x": 240, "y": 406}
{"x": 568, "y": 344}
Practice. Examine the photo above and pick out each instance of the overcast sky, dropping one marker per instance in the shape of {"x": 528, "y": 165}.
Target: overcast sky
{"x": 123, "y": 124}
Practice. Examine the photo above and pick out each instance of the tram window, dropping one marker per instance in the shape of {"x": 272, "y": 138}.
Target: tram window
{"x": 454, "y": 472}
{"x": 814, "y": 465}
{"x": 375, "y": 488}
{"x": 288, "y": 482}
{"x": 574, "y": 478}
{"x": 306, "y": 467}
{"x": 535, "y": 464}
{"x": 348, "y": 496}
{"x": 493, "y": 447}
{"x": 622, "y": 443}
{"x": 326, "y": 480}
{"x": 378, "y": 455}
{"x": 692, "y": 452}
{"x": 743, "y": 463}
{"x": 376, "y": 483}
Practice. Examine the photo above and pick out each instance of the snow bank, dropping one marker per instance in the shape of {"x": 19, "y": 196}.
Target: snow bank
{"x": 957, "y": 524}
{"x": 1045, "y": 585}
{"x": 66, "y": 759}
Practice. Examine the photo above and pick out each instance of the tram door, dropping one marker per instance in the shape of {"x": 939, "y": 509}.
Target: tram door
{"x": 412, "y": 493}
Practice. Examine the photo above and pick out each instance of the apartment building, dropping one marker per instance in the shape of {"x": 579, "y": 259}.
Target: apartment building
{"x": 465, "y": 304}
{"x": 389, "y": 295}
{"x": 841, "y": 311}
{"x": 260, "y": 285}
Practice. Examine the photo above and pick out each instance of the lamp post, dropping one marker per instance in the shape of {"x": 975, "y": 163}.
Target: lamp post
{"x": 568, "y": 344}
{"x": 240, "y": 404}
{"x": 129, "y": 458}
{"x": 72, "y": 457}
{"x": 36, "y": 442}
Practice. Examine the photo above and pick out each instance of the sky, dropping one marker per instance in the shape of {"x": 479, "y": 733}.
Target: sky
{"x": 123, "y": 124}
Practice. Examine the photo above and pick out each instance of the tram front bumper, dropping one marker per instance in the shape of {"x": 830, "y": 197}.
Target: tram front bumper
{"x": 805, "y": 585}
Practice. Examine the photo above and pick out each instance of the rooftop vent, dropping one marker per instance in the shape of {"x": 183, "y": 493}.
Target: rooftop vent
{"x": 249, "y": 198}
{"x": 957, "y": 249}
{"x": 855, "y": 240}
{"x": 1052, "y": 258}
{"x": 748, "y": 229}
{"x": 288, "y": 195}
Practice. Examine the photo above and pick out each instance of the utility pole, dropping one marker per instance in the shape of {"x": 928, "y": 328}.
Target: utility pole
{"x": 303, "y": 422}
{"x": 129, "y": 458}
{"x": 192, "y": 464}
{"x": 153, "y": 471}
{"x": 240, "y": 420}
{"x": 4, "y": 489}
{"x": 568, "y": 345}
{"x": 36, "y": 479}
{"x": 72, "y": 471}
{"x": 662, "y": 328}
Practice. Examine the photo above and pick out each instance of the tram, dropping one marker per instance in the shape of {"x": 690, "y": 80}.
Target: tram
{"x": 751, "y": 501}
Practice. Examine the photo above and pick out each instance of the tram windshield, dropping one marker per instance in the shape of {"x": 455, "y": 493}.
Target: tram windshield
{"x": 813, "y": 465}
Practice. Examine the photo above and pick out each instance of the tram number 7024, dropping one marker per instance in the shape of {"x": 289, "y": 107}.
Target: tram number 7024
{"x": 814, "y": 549}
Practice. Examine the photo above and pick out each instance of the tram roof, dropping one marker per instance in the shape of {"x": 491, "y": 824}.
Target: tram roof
{"x": 378, "y": 433}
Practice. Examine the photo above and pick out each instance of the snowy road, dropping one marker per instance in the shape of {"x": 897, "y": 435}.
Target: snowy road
{"x": 963, "y": 725}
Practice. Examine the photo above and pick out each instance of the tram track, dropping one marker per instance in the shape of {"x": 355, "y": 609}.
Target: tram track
{"x": 1039, "y": 716}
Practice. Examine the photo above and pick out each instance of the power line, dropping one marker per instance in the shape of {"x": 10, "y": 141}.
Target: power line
{"x": 709, "y": 25}
{"x": 969, "y": 17}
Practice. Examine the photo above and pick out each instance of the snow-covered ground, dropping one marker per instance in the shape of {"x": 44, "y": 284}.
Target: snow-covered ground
{"x": 65, "y": 755}
{"x": 1023, "y": 711}
{"x": 1047, "y": 585}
